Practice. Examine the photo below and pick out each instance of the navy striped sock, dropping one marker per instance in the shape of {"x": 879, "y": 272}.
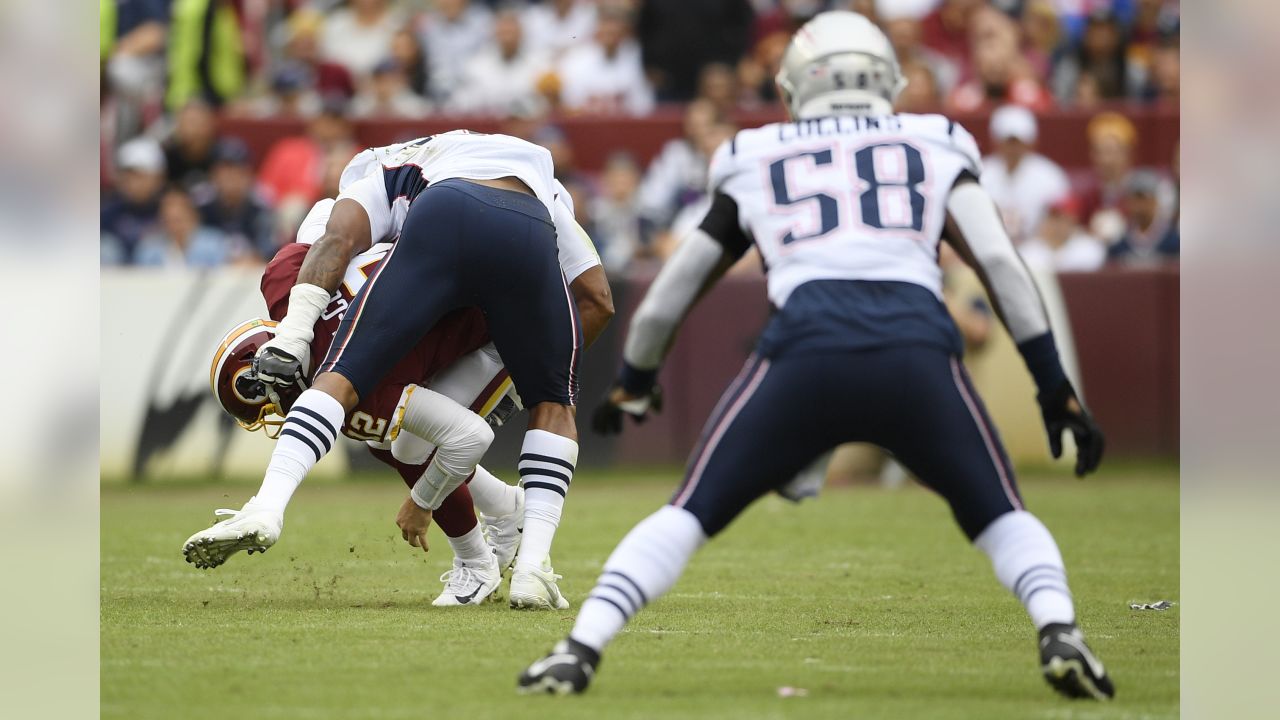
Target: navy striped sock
{"x": 309, "y": 432}
{"x": 546, "y": 466}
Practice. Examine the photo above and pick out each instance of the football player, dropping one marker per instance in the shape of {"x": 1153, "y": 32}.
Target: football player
{"x": 847, "y": 203}
{"x": 380, "y": 422}
{"x": 486, "y": 225}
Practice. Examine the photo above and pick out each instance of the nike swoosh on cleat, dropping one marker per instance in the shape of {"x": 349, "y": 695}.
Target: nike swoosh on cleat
{"x": 465, "y": 599}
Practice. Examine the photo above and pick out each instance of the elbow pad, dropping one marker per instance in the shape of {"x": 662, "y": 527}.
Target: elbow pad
{"x": 461, "y": 438}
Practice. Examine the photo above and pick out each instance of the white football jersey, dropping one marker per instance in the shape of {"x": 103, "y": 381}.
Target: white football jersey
{"x": 845, "y": 198}
{"x": 384, "y": 180}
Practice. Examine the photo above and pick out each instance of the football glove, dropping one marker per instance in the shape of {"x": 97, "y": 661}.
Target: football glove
{"x": 607, "y": 418}
{"x": 281, "y": 375}
{"x": 1063, "y": 411}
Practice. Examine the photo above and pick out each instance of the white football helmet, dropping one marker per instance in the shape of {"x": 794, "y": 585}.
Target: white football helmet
{"x": 839, "y": 63}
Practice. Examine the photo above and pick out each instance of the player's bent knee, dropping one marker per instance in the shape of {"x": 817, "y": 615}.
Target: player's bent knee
{"x": 337, "y": 387}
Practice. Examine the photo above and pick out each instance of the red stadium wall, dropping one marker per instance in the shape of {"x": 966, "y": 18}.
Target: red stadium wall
{"x": 1062, "y": 133}
{"x": 1126, "y": 334}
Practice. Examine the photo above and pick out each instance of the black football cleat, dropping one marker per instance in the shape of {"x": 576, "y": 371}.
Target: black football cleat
{"x": 1070, "y": 666}
{"x": 566, "y": 670}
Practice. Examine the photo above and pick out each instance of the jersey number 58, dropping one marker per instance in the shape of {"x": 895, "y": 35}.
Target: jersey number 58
{"x": 888, "y": 199}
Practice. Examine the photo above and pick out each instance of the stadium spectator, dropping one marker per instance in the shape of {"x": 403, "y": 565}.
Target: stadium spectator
{"x": 718, "y": 85}
{"x": 1060, "y": 243}
{"x": 782, "y": 17}
{"x": 615, "y": 224}
{"x": 921, "y": 95}
{"x": 694, "y": 204}
{"x": 132, "y": 44}
{"x": 1111, "y": 140}
{"x": 1099, "y": 54}
{"x": 325, "y": 77}
{"x": 504, "y": 76}
{"x": 1001, "y": 74}
{"x": 292, "y": 173}
{"x": 231, "y": 204}
{"x": 206, "y": 58}
{"x": 678, "y": 174}
{"x": 554, "y": 26}
{"x": 1021, "y": 181}
{"x": 189, "y": 149}
{"x": 1151, "y": 235}
{"x": 180, "y": 240}
{"x": 1154, "y": 21}
{"x": 406, "y": 50}
{"x": 605, "y": 76}
{"x": 757, "y": 71}
{"x": 291, "y": 95}
{"x": 358, "y": 35}
{"x": 1044, "y": 41}
{"x": 906, "y": 33}
{"x": 1164, "y": 81}
{"x": 451, "y": 32}
{"x": 679, "y": 37}
{"x": 387, "y": 95}
{"x": 131, "y": 210}
{"x": 947, "y": 29}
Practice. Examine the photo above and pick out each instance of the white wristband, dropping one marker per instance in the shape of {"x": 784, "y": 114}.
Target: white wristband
{"x": 306, "y": 304}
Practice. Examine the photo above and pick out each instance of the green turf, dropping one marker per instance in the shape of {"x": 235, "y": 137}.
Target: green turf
{"x": 869, "y": 600}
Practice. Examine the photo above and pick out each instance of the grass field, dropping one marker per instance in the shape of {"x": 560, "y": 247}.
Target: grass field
{"x": 869, "y": 600}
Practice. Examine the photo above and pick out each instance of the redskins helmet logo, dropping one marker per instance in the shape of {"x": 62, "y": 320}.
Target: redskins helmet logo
{"x": 234, "y": 384}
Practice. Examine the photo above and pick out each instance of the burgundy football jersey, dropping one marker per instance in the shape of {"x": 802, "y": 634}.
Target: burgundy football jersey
{"x": 457, "y": 334}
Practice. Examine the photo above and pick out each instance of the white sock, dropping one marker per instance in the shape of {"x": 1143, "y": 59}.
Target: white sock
{"x": 471, "y": 548}
{"x": 644, "y": 566}
{"x": 1028, "y": 563}
{"x": 308, "y": 434}
{"x": 546, "y": 468}
{"x": 491, "y": 496}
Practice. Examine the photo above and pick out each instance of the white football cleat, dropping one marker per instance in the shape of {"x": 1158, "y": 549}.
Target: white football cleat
{"x": 250, "y": 528}
{"x": 469, "y": 584}
{"x": 536, "y": 589}
{"x": 503, "y": 533}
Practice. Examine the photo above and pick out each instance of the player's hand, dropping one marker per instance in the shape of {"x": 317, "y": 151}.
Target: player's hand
{"x": 1062, "y": 411}
{"x": 413, "y": 522}
{"x": 607, "y": 418}
{"x": 280, "y": 365}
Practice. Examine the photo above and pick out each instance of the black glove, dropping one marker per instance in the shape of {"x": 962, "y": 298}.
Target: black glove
{"x": 607, "y": 418}
{"x": 1058, "y": 417}
{"x": 281, "y": 376}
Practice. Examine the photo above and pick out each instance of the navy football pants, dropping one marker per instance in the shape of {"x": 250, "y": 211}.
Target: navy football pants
{"x": 465, "y": 245}
{"x": 914, "y": 401}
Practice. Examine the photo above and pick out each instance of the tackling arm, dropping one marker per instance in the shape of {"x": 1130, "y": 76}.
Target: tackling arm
{"x": 974, "y": 229}
{"x": 359, "y": 215}
{"x": 594, "y": 299}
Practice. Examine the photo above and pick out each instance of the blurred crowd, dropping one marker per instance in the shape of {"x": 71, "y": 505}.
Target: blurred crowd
{"x": 178, "y": 191}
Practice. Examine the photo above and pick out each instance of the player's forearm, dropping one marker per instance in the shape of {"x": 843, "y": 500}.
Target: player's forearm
{"x": 979, "y": 235}
{"x": 326, "y": 263}
{"x": 696, "y": 265}
{"x": 592, "y": 295}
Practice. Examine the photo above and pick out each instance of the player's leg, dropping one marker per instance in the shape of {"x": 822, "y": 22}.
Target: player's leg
{"x": 515, "y": 277}
{"x": 943, "y": 434}
{"x": 475, "y": 576}
{"x": 767, "y": 427}
{"x": 403, "y": 298}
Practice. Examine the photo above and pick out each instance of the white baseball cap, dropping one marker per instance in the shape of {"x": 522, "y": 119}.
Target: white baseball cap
{"x": 141, "y": 153}
{"x": 1013, "y": 121}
